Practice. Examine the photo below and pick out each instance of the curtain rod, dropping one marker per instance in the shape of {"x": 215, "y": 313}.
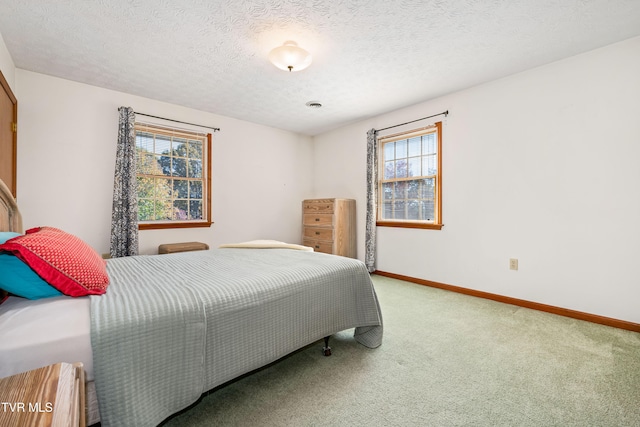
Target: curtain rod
{"x": 446, "y": 113}
{"x": 176, "y": 121}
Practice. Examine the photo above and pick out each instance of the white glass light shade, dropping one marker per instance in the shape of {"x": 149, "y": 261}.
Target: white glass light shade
{"x": 290, "y": 57}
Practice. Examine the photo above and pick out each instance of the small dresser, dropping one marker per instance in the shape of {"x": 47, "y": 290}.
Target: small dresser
{"x": 329, "y": 226}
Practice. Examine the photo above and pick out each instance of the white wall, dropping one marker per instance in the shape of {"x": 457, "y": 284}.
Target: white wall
{"x": 6, "y": 65}
{"x": 67, "y": 140}
{"x": 543, "y": 166}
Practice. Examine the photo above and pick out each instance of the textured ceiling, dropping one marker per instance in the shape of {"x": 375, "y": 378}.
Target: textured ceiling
{"x": 369, "y": 56}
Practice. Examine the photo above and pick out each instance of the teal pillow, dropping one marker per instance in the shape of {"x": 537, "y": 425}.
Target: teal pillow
{"x": 6, "y": 235}
{"x": 18, "y": 278}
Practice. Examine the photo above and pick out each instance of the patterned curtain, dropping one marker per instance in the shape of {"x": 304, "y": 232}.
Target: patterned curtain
{"x": 124, "y": 217}
{"x": 372, "y": 200}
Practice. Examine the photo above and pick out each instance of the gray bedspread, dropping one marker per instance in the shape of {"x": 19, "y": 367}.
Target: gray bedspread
{"x": 171, "y": 327}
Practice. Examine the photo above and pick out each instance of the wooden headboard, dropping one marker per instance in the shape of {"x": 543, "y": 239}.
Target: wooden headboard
{"x": 10, "y": 218}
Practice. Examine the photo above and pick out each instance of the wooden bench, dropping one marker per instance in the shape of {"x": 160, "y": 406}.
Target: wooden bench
{"x": 170, "y": 248}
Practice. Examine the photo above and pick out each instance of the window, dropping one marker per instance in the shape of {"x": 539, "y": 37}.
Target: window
{"x": 410, "y": 183}
{"x": 174, "y": 177}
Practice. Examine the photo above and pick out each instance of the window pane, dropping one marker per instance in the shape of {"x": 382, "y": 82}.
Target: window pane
{"x": 195, "y": 189}
{"x": 163, "y": 188}
{"x": 414, "y": 210}
{"x": 413, "y": 188}
{"x": 414, "y": 166}
{"x": 195, "y": 209}
{"x": 398, "y": 209}
{"x": 179, "y": 147}
{"x": 428, "y": 189}
{"x": 165, "y": 164}
{"x": 163, "y": 144}
{"x": 179, "y": 167}
{"x": 429, "y": 143}
{"x": 147, "y": 164}
{"x": 144, "y": 141}
{"x": 153, "y": 209}
{"x": 145, "y": 210}
{"x": 389, "y": 151}
{"x": 389, "y": 170}
{"x": 163, "y": 210}
{"x": 401, "y": 168}
{"x": 387, "y": 190}
{"x": 429, "y": 166}
{"x": 387, "y": 210}
{"x": 414, "y": 146}
{"x": 400, "y": 189}
{"x": 180, "y": 189}
{"x": 195, "y": 150}
{"x": 146, "y": 187}
{"x": 427, "y": 210}
{"x": 195, "y": 169}
{"x": 401, "y": 149}
{"x": 180, "y": 208}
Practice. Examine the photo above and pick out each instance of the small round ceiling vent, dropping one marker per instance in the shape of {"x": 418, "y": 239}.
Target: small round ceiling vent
{"x": 313, "y": 104}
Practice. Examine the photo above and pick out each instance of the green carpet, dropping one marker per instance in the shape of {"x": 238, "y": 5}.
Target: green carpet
{"x": 446, "y": 360}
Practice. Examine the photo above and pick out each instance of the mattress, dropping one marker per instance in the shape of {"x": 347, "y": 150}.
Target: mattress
{"x": 39, "y": 333}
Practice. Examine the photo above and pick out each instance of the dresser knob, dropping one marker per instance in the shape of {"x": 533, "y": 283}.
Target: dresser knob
{"x": 317, "y": 219}
{"x": 317, "y": 233}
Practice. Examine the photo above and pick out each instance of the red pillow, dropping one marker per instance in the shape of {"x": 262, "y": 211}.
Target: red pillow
{"x": 62, "y": 260}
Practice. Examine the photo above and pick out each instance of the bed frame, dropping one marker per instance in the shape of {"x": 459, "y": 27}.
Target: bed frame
{"x": 10, "y": 218}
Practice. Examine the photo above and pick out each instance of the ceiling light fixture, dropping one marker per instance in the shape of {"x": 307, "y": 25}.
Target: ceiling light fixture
{"x": 290, "y": 57}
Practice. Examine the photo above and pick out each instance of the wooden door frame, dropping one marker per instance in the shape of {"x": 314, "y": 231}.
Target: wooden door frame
{"x": 14, "y": 160}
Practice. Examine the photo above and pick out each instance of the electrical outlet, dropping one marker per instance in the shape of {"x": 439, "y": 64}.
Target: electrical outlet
{"x": 513, "y": 263}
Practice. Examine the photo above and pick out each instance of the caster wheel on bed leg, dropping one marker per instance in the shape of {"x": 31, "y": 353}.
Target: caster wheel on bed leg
{"x": 326, "y": 350}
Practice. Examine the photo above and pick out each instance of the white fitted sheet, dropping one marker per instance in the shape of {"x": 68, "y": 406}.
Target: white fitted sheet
{"x": 42, "y": 332}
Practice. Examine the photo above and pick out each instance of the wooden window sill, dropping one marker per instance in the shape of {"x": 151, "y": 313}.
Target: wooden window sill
{"x": 163, "y": 225}
{"x": 409, "y": 224}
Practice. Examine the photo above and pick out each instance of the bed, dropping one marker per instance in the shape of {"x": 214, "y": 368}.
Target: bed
{"x": 171, "y": 327}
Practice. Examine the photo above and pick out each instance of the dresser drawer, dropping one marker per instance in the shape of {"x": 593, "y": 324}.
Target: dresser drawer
{"x": 318, "y": 233}
{"x": 317, "y": 220}
{"x": 318, "y": 206}
{"x": 324, "y": 247}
